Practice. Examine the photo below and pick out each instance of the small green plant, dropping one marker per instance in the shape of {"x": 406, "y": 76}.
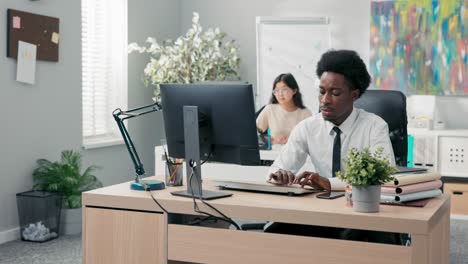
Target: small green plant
{"x": 65, "y": 177}
{"x": 364, "y": 168}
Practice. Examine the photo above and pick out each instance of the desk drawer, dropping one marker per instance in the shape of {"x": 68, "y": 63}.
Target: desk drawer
{"x": 459, "y": 197}
{"x": 214, "y": 245}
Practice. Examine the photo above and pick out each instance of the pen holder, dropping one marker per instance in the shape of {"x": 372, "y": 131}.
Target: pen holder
{"x": 174, "y": 172}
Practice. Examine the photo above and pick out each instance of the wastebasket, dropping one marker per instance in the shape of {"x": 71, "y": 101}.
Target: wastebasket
{"x": 39, "y": 215}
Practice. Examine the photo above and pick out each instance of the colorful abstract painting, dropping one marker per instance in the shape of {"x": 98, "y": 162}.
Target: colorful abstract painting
{"x": 420, "y": 46}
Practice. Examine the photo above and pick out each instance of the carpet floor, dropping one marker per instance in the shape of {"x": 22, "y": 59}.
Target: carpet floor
{"x": 67, "y": 249}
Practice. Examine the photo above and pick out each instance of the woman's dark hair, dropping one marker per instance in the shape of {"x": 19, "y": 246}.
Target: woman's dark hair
{"x": 290, "y": 81}
{"x": 349, "y": 64}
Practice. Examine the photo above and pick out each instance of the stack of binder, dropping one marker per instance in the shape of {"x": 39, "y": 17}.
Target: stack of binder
{"x": 411, "y": 186}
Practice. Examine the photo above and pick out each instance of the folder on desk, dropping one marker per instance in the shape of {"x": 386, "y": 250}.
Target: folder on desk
{"x": 415, "y": 203}
{"x": 412, "y": 188}
{"x": 411, "y": 178}
{"x": 409, "y": 170}
{"x": 410, "y": 196}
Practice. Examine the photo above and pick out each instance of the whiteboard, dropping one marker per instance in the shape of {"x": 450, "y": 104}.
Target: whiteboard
{"x": 290, "y": 44}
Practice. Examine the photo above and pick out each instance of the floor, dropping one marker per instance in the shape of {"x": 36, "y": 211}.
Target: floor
{"x": 65, "y": 249}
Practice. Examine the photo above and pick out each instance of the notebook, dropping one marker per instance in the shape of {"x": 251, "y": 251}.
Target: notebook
{"x": 409, "y": 170}
{"x": 264, "y": 188}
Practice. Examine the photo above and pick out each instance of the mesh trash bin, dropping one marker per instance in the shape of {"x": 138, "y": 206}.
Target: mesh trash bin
{"x": 39, "y": 215}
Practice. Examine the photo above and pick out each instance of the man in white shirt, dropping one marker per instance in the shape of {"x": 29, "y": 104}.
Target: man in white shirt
{"x": 343, "y": 79}
{"x": 327, "y": 137}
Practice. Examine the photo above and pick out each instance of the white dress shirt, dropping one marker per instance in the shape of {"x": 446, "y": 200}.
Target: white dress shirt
{"x": 314, "y": 137}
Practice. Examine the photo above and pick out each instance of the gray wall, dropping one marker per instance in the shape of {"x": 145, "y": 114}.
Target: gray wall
{"x": 41, "y": 120}
{"x": 349, "y": 22}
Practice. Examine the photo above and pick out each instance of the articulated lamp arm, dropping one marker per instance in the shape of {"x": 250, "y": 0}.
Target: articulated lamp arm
{"x": 120, "y": 116}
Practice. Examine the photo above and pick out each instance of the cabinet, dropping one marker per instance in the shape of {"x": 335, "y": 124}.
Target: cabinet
{"x": 459, "y": 197}
{"x": 123, "y": 236}
{"x": 442, "y": 150}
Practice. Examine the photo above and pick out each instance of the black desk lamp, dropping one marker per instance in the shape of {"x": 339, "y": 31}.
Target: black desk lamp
{"x": 119, "y": 117}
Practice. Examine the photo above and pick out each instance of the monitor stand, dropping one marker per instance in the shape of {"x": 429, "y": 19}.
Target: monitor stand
{"x": 192, "y": 159}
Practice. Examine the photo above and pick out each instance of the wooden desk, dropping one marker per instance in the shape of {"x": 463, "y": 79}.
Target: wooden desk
{"x": 125, "y": 226}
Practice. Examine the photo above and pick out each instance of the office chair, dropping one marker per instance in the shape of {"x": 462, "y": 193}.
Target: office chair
{"x": 391, "y": 107}
{"x": 259, "y": 111}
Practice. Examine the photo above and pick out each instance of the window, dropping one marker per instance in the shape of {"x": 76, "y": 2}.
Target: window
{"x": 104, "y": 69}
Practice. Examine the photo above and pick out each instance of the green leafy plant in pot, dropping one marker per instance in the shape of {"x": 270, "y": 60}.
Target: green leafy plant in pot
{"x": 366, "y": 172}
{"x": 65, "y": 178}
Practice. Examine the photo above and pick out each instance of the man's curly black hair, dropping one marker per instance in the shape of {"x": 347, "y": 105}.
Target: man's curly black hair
{"x": 348, "y": 63}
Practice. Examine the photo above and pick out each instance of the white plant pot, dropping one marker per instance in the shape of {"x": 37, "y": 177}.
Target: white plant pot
{"x": 366, "y": 199}
{"x": 70, "y": 221}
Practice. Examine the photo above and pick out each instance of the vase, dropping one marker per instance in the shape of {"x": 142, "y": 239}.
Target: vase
{"x": 366, "y": 199}
{"x": 70, "y": 222}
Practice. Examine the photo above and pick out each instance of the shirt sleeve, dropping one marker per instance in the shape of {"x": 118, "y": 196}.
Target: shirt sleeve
{"x": 262, "y": 119}
{"x": 380, "y": 138}
{"x": 293, "y": 154}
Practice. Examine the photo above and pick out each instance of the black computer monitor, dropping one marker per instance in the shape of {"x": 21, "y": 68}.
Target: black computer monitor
{"x": 226, "y": 125}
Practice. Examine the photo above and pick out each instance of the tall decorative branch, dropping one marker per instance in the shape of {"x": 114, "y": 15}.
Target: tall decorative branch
{"x": 195, "y": 57}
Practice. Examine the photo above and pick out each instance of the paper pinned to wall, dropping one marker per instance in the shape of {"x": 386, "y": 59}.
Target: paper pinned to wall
{"x": 26, "y": 68}
{"x": 55, "y": 38}
{"x": 16, "y": 22}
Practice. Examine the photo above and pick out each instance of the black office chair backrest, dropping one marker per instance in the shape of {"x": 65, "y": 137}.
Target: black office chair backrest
{"x": 259, "y": 111}
{"x": 391, "y": 107}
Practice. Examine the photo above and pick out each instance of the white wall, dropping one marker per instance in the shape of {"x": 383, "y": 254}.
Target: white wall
{"x": 41, "y": 120}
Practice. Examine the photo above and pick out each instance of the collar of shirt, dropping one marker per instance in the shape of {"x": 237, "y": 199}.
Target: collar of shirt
{"x": 346, "y": 126}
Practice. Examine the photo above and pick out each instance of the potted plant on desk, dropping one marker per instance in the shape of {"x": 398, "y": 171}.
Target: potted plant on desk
{"x": 65, "y": 178}
{"x": 366, "y": 172}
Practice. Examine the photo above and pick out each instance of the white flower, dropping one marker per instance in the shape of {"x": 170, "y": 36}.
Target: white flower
{"x": 134, "y": 47}
{"x": 195, "y": 18}
{"x": 195, "y": 56}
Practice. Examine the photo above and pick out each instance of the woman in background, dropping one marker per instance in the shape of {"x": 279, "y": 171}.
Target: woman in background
{"x": 284, "y": 111}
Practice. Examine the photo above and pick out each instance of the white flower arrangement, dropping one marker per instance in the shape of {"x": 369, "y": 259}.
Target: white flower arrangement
{"x": 195, "y": 57}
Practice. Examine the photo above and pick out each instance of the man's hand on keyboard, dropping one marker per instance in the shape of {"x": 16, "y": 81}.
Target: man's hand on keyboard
{"x": 314, "y": 180}
{"x": 281, "y": 177}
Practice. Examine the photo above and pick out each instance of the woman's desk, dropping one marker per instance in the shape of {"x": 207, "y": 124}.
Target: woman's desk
{"x": 126, "y": 226}
{"x": 234, "y": 172}
{"x": 271, "y": 154}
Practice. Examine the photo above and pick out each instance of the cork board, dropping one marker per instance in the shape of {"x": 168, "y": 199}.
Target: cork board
{"x": 39, "y": 30}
